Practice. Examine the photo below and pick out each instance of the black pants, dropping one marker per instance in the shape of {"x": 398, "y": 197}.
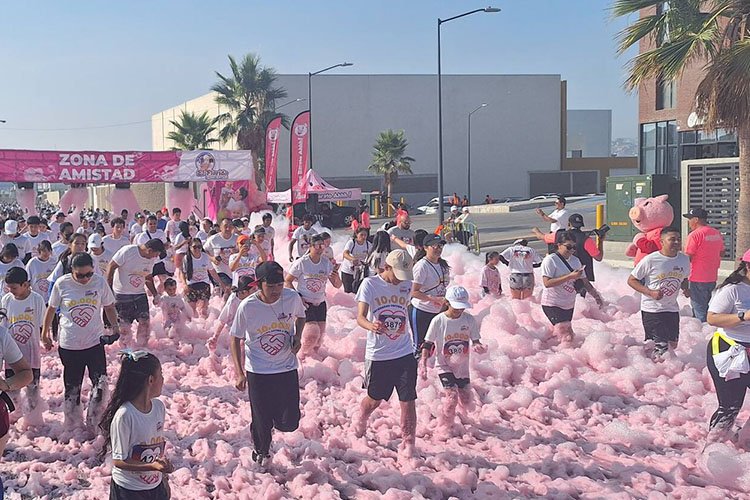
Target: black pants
{"x": 348, "y": 281}
{"x": 274, "y": 403}
{"x": 74, "y": 365}
{"x": 731, "y": 394}
{"x": 420, "y": 322}
{"x": 117, "y": 492}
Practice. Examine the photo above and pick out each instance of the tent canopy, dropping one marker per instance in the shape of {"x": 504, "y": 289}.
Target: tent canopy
{"x": 313, "y": 183}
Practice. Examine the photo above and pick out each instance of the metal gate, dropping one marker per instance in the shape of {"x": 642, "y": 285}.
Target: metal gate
{"x": 714, "y": 185}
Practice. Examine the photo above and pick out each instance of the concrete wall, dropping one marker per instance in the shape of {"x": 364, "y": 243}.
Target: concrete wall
{"x": 518, "y": 132}
{"x": 590, "y": 131}
{"x": 607, "y": 167}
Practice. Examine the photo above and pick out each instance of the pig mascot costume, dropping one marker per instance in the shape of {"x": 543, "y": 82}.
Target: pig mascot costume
{"x": 649, "y": 216}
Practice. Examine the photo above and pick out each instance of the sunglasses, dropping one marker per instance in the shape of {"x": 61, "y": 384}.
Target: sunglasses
{"x": 84, "y": 276}
{"x": 570, "y": 247}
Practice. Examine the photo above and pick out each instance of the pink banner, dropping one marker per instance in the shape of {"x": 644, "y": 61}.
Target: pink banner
{"x": 17, "y": 165}
{"x": 228, "y": 199}
{"x": 273, "y": 134}
{"x": 299, "y": 144}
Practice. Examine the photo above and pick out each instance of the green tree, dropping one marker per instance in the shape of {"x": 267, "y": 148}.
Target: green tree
{"x": 714, "y": 34}
{"x": 249, "y": 95}
{"x": 193, "y": 131}
{"x": 389, "y": 157}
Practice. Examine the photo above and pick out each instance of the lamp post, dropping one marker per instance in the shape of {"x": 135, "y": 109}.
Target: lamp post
{"x": 440, "y": 105}
{"x": 468, "y": 158}
{"x": 309, "y": 100}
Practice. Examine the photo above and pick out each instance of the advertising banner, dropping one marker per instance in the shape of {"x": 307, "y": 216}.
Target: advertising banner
{"x": 273, "y": 136}
{"x": 228, "y": 199}
{"x": 299, "y": 146}
{"x": 17, "y": 165}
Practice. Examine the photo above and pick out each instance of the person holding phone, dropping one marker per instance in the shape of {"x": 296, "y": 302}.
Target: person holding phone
{"x": 563, "y": 275}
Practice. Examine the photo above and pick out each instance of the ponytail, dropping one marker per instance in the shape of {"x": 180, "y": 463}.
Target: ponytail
{"x": 737, "y": 276}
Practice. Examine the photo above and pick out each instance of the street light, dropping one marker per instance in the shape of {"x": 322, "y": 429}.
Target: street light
{"x": 468, "y": 162}
{"x": 309, "y": 101}
{"x": 299, "y": 99}
{"x": 440, "y": 105}
{"x": 3, "y": 121}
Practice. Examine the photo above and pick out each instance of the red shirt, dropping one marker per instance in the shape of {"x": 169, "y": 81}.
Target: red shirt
{"x": 365, "y": 220}
{"x": 704, "y": 246}
{"x": 589, "y": 245}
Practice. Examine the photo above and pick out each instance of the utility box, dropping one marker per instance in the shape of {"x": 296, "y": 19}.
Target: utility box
{"x": 621, "y": 195}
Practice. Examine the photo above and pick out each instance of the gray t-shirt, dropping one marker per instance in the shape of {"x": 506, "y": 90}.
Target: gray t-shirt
{"x": 406, "y": 235}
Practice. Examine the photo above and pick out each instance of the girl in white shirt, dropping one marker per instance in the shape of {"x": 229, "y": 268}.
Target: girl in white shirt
{"x": 40, "y": 269}
{"x": 491, "y": 284}
{"x": 197, "y": 268}
{"x": 133, "y": 428}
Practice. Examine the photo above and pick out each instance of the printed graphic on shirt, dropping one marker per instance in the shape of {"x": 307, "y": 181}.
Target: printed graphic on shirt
{"x": 22, "y": 327}
{"x": 391, "y": 312}
{"x": 569, "y": 286}
{"x": 670, "y": 283}
{"x": 147, "y": 453}
{"x": 41, "y": 285}
{"x": 315, "y": 282}
{"x": 273, "y": 337}
{"x": 82, "y": 311}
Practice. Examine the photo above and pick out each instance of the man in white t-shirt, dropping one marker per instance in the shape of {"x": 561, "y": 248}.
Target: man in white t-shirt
{"x": 100, "y": 254}
{"x": 558, "y": 218}
{"x": 59, "y": 246}
{"x": 136, "y": 225}
{"x": 128, "y": 273}
{"x": 220, "y": 247}
{"x": 118, "y": 239}
{"x": 659, "y": 277}
{"x": 34, "y": 235}
{"x": 269, "y": 231}
{"x": 270, "y": 323}
{"x": 173, "y": 225}
{"x": 302, "y": 237}
{"x": 11, "y": 235}
{"x": 205, "y": 231}
{"x": 311, "y": 272}
{"x": 54, "y": 227}
{"x": 389, "y": 355}
{"x": 403, "y": 229}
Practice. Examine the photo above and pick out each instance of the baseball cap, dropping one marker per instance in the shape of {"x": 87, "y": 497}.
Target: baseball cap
{"x": 465, "y": 210}
{"x": 259, "y": 230}
{"x": 432, "y": 239}
{"x": 244, "y": 282}
{"x": 95, "y": 240}
{"x": 238, "y": 223}
{"x": 746, "y": 257}
{"x": 60, "y": 214}
{"x": 454, "y": 208}
{"x": 242, "y": 239}
{"x": 402, "y": 264}
{"x": 457, "y": 297}
{"x": 270, "y": 272}
{"x": 521, "y": 241}
{"x": 696, "y": 212}
{"x": 576, "y": 220}
{"x": 11, "y": 227}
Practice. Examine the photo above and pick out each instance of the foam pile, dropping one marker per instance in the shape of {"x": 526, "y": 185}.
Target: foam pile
{"x": 593, "y": 419}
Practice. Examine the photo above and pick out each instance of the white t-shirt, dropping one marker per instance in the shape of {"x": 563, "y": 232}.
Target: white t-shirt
{"x": 452, "y": 339}
{"x": 39, "y": 271}
{"x": 270, "y": 233}
{"x": 80, "y": 306}
{"x": 521, "y": 259}
{"x": 9, "y": 351}
{"x": 247, "y": 265}
{"x": 58, "y": 248}
{"x": 34, "y": 243}
{"x": 112, "y": 244}
{"x": 142, "y": 237}
{"x": 562, "y": 217}
{"x": 268, "y": 330}
{"x": 203, "y": 236}
{"x": 562, "y": 296}
{"x": 217, "y": 245}
{"x": 173, "y": 308}
{"x": 4, "y": 270}
{"x": 101, "y": 261}
{"x": 179, "y": 239}
{"x": 130, "y": 276}
{"x": 21, "y": 242}
{"x": 54, "y": 230}
{"x": 229, "y": 311}
{"x": 388, "y": 304}
{"x": 135, "y": 230}
{"x": 200, "y": 269}
{"x": 172, "y": 229}
{"x": 433, "y": 280}
{"x": 357, "y": 251}
{"x": 733, "y": 299}
{"x": 405, "y": 235}
{"x": 662, "y": 273}
{"x": 138, "y": 436}
{"x": 491, "y": 280}
{"x": 311, "y": 278}
{"x": 304, "y": 239}
{"x": 24, "y": 323}
{"x": 266, "y": 246}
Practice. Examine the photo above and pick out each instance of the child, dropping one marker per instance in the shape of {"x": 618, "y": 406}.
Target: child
{"x": 173, "y": 308}
{"x": 491, "y": 276}
{"x": 25, "y": 312}
{"x": 328, "y": 251}
{"x": 244, "y": 288}
{"x": 40, "y": 268}
{"x": 8, "y": 259}
{"x": 449, "y": 335}
{"x": 521, "y": 259}
{"x": 133, "y": 425}
{"x": 244, "y": 262}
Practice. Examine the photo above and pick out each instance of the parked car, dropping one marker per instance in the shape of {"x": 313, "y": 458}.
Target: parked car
{"x": 432, "y": 206}
{"x": 329, "y": 214}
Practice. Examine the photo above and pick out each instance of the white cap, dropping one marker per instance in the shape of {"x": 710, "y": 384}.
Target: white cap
{"x": 81, "y": 230}
{"x": 454, "y": 208}
{"x": 11, "y": 227}
{"x": 465, "y": 210}
{"x": 95, "y": 240}
{"x": 402, "y": 264}
{"x": 457, "y": 297}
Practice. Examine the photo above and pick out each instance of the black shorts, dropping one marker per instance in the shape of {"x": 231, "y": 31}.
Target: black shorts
{"x": 661, "y": 326}
{"x": 117, "y": 492}
{"x": 347, "y": 280}
{"x": 316, "y": 313}
{"x": 160, "y": 269}
{"x": 381, "y": 377}
{"x": 449, "y": 381}
{"x": 198, "y": 291}
{"x": 557, "y": 315}
{"x": 131, "y": 307}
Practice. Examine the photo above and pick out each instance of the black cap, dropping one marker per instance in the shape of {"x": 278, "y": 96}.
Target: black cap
{"x": 270, "y": 272}
{"x": 696, "y": 212}
{"x": 244, "y": 282}
{"x": 238, "y": 223}
{"x": 576, "y": 220}
{"x": 561, "y": 199}
{"x": 432, "y": 239}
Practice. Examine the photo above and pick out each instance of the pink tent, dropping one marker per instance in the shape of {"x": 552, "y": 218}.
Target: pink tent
{"x": 314, "y": 183}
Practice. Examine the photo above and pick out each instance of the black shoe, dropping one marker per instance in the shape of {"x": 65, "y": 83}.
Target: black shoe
{"x": 109, "y": 339}
{"x": 259, "y": 458}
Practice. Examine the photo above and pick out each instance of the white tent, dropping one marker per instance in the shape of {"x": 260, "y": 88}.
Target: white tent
{"x": 314, "y": 183}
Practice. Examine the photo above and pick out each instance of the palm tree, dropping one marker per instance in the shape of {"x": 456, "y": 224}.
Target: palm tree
{"x": 389, "y": 157}
{"x": 193, "y": 131}
{"x": 249, "y": 95}
{"x": 711, "y": 33}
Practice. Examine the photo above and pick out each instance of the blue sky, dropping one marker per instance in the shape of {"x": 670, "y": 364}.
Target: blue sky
{"x": 85, "y": 63}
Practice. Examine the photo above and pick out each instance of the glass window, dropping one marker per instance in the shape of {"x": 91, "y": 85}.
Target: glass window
{"x": 707, "y": 151}
{"x": 666, "y": 94}
{"x": 648, "y": 161}
{"x": 673, "y": 165}
{"x": 648, "y": 135}
{"x": 688, "y": 137}
{"x": 661, "y": 133}
{"x": 725, "y": 135}
{"x": 672, "y": 133}
{"x": 660, "y": 161}
{"x": 689, "y": 152}
{"x": 705, "y": 137}
{"x": 728, "y": 149}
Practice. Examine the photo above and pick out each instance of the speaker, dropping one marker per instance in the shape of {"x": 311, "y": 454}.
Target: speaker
{"x": 181, "y": 185}
{"x": 25, "y": 185}
{"x": 311, "y": 204}
{"x": 122, "y": 185}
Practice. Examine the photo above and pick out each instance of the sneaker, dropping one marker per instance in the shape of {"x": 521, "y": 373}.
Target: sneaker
{"x": 109, "y": 339}
{"x": 259, "y": 458}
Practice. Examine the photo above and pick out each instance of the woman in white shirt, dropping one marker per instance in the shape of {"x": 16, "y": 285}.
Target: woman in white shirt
{"x": 197, "y": 268}
{"x": 40, "y": 269}
{"x": 728, "y": 311}
{"x": 560, "y": 272}
{"x": 521, "y": 259}
{"x": 355, "y": 253}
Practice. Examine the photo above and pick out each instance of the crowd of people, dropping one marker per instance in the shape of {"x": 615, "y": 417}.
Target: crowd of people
{"x": 79, "y": 285}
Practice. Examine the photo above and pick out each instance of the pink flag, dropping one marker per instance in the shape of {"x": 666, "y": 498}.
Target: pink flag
{"x": 273, "y": 134}
{"x": 299, "y": 144}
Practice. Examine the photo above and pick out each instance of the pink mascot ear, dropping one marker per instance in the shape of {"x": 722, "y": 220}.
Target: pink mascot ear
{"x": 662, "y": 198}
{"x": 27, "y": 198}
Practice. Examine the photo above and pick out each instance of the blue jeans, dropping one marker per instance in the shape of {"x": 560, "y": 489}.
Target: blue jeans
{"x": 700, "y": 295}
